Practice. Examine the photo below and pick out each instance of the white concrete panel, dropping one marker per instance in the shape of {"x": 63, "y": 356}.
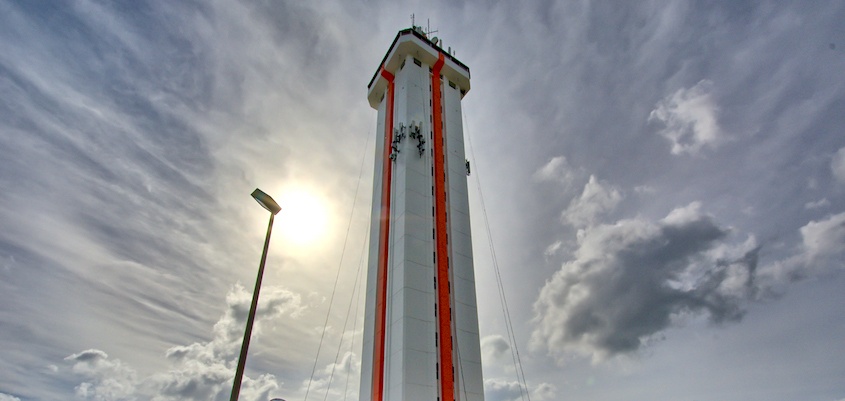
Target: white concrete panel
{"x": 419, "y": 182}
{"x": 422, "y": 202}
{"x": 469, "y": 349}
{"x": 461, "y": 243}
{"x": 397, "y": 278}
{"x": 464, "y": 291}
{"x": 474, "y": 385}
{"x": 397, "y": 339}
{"x": 394, "y": 378}
{"x": 420, "y": 278}
{"x": 418, "y": 305}
{"x": 418, "y": 251}
{"x": 466, "y": 317}
{"x": 417, "y": 392}
{"x": 420, "y": 337}
{"x": 418, "y": 226}
{"x": 460, "y": 222}
{"x": 463, "y": 266}
{"x": 420, "y": 368}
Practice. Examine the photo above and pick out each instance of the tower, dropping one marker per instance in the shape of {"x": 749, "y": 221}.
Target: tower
{"x": 421, "y": 338}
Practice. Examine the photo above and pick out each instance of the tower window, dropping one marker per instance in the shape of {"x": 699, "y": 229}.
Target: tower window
{"x": 417, "y": 62}
{"x": 452, "y": 84}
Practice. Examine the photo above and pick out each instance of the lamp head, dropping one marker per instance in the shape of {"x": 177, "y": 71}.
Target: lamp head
{"x": 266, "y": 201}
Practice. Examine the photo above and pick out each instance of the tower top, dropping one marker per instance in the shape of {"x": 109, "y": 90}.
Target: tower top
{"x": 416, "y": 43}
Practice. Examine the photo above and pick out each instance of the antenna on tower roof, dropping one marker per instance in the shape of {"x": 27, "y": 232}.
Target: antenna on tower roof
{"x": 425, "y": 32}
{"x": 428, "y": 30}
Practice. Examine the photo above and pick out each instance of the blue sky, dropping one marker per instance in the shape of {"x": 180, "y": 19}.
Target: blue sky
{"x": 664, "y": 183}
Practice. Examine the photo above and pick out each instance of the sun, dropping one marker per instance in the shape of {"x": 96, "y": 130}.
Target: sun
{"x": 304, "y": 218}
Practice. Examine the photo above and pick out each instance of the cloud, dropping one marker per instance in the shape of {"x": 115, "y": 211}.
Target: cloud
{"x": 7, "y": 397}
{"x": 229, "y": 329}
{"x": 837, "y": 165}
{"x": 503, "y": 390}
{"x": 108, "y": 379}
{"x": 598, "y": 198}
{"x": 823, "y": 239}
{"x": 348, "y": 367}
{"x": 545, "y": 391}
{"x": 689, "y": 116}
{"x": 629, "y": 280}
{"x": 822, "y": 244}
{"x": 552, "y": 249}
{"x": 499, "y": 389}
{"x": 558, "y": 170}
{"x": 202, "y": 370}
{"x": 817, "y": 204}
{"x": 494, "y": 348}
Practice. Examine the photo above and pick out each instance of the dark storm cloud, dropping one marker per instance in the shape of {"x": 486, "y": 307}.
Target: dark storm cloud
{"x": 630, "y": 279}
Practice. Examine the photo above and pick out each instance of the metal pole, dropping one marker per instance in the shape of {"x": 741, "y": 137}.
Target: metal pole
{"x": 239, "y": 374}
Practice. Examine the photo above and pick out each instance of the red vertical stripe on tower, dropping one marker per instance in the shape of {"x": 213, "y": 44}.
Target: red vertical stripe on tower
{"x": 384, "y": 236}
{"x": 444, "y": 302}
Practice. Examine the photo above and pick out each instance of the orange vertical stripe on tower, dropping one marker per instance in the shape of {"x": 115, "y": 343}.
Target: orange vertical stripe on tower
{"x": 384, "y": 236}
{"x": 444, "y": 302}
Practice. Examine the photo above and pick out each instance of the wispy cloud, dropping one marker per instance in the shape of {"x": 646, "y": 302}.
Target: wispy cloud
{"x": 690, "y": 119}
{"x": 837, "y": 165}
{"x": 200, "y": 371}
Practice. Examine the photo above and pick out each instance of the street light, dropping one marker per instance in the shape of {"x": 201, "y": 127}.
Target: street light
{"x": 268, "y": 203}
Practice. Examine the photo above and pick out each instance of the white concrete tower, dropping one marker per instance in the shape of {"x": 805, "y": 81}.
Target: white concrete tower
{"x": 421, "y": 326}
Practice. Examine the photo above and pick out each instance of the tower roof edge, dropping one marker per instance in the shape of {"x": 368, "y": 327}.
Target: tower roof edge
{"x": 410, "y": 42}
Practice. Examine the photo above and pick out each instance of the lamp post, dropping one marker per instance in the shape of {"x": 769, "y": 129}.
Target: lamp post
{"x": 268, "y": 203}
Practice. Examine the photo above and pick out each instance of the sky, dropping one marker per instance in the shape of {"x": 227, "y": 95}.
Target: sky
{"x": 664, "y": 184}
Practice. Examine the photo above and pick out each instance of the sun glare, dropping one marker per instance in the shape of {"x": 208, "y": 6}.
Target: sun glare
{"x": 304, "y": 217}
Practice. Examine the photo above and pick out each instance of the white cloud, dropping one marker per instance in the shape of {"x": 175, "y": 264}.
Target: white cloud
{"x": 202, "y": 370}
{"x": 558, "y": 170}
{"x": 824, "y": 238}
{"x": 837, "y": 165}
{"x": 596, "y": 199}
{"x": 552, "y": 249}
{"x": 545, "y": 391}
{"x": 689, "y": 116}
{"x": 686, "y": 214}
{"x": 107, "y": 379}
{"x": 817, "y": 204}
{"x": 494, "y": 348}
{"x": 498, "y": 389}
{"x": 644, "y": 189}
{"x": 7, "y": 397}
{"x": 822, "y": 243}
{"x": 327, "y": 381}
